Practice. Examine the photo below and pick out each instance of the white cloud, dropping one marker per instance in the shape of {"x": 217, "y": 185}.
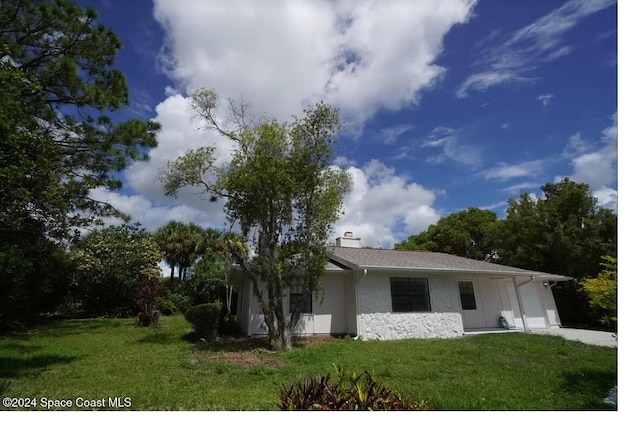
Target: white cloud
{"x": 360, "y": 56}
{"x": 596, "y": 164}
{"x": 525, "y": 49}
{"x": 485, "y": 80}
{"x": 599, "y": 168}
{"x": 545, "y": 99}
{"x": 152, "y": 217}
{"x": 504, "y": 171}
{"x": 522, "y": 187}
{"x": 607, "y": 198}
{"x": 576, "y": 146}
{"x": 452, "y": 147}
{"x": 383, "y": 208}
{"x": 390, "y": 135}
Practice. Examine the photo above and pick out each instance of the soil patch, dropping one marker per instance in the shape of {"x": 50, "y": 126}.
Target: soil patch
{"x": 245, "y": 359}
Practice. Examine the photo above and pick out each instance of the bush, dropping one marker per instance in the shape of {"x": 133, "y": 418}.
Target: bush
{"x": 355, "y": 392}
{"x": 166, "y": 306}
{"x": 205, "y": 319}
{"x": 182, "y": 302}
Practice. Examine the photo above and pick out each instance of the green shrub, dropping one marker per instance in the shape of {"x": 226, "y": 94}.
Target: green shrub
{"x": 355, "y": 392}
{"x": 205, "y": 319}
{"x": 182, "y": 302}
{"x": 166, "y": 306}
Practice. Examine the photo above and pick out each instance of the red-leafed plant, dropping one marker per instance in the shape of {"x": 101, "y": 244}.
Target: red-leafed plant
{"x": 350, "y": 392}
{"x": 149, "y": 292}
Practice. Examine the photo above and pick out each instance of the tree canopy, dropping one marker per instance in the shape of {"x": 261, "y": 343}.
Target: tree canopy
{"x": 469, "y": 233}
{"x": 56, "y": 125}
{"x": 282, "y": 190}
{"x": 58, "y": 90}
{"x": 111, "y": 266}
{"x": 603, "y": 289}
{"x": 563, "y": 232}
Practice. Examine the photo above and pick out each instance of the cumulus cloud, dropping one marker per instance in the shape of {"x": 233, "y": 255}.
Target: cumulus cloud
{"x": 599, "y": 167}
{"x": 143, "y": 197}
{"x": 283, "y": 56}
{"x": 607, "y": 198}
{"x": 523, "y": 50}
{"x": 596, "y": 163}
{"x": 383, "y": 208}
{"x": 360, "y": 56}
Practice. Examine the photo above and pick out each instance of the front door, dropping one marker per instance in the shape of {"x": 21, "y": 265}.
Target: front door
{"x": 471, "y": 302}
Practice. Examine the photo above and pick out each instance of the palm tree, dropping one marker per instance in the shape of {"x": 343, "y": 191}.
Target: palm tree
{"x": 168, "y": 239}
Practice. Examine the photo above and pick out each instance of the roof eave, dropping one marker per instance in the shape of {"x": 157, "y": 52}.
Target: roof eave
{"x": 538, "y": 275}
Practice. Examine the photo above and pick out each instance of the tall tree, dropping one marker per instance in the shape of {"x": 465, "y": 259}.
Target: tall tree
{"x": 182, "y": 244}
{"x": 468, "y": 233}
{"x": 68, "y": 86}
{"x": 111, "y": 266}
{"x": 168, "y": 240}
{"x": 564, "y": 231}
{"x": 280, "y": 187}
{"x": 57, "y": 88}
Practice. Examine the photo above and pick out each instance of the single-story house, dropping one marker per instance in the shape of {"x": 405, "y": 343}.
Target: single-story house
{"x": 393, "y": 294}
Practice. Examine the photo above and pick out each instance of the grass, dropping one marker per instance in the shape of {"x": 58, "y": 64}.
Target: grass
{"x": 161, "y": 369}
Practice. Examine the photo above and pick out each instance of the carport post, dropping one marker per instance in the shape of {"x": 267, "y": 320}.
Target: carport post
{"x": 525, "y": 325}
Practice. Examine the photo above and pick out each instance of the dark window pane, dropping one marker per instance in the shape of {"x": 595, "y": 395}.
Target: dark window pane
{"x": 410, "y": 295}
{"x": 467, "y": 297}
{"x": 296, "y": 294}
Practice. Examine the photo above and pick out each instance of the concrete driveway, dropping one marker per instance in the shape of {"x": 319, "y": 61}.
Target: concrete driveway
{"x": 592, "y": 337}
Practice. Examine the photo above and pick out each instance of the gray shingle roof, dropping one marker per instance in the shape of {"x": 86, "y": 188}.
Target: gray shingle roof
{"x": 363, "y": 258}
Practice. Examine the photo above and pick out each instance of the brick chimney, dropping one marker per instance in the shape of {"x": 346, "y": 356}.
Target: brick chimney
{"x": 348, "y": 240}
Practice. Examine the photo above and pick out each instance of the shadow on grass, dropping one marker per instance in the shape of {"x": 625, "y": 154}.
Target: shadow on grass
{"x": 17, "y": 367}
{"x": 61, "y": 328}
{"x": 19, "y": 347}
{"x": 226, "y": 344}
{"x": 590, "y": 383}
{"x": 243, "y": 343}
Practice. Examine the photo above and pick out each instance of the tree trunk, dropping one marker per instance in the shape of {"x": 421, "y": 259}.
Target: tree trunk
{"x": 286, "y": 338}
{"x": 173, "y": 267}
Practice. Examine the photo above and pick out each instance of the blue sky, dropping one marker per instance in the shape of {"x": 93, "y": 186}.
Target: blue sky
{"x": 446, "y": 104}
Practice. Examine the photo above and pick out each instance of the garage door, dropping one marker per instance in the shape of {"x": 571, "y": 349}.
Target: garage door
{"x": 530, "y": 302}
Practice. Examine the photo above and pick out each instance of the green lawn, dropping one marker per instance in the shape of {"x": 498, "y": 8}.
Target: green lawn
{"x": 160, "y": 369}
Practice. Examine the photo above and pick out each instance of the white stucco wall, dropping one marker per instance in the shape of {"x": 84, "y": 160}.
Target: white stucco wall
{"x": 328, "y": 310}
{"x": 549, "y": 304}
{"x": 540, "y": 306}
{"x": 350, "y": 324}
{"x": 377, "y": 321}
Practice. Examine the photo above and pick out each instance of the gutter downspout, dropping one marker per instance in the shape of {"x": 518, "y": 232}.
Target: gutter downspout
{"x": 357, "y": 292}
{"x": 525, "y": 325}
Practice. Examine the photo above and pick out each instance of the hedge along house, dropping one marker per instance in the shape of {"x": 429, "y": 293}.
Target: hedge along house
{"x": 393, "y": 294}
